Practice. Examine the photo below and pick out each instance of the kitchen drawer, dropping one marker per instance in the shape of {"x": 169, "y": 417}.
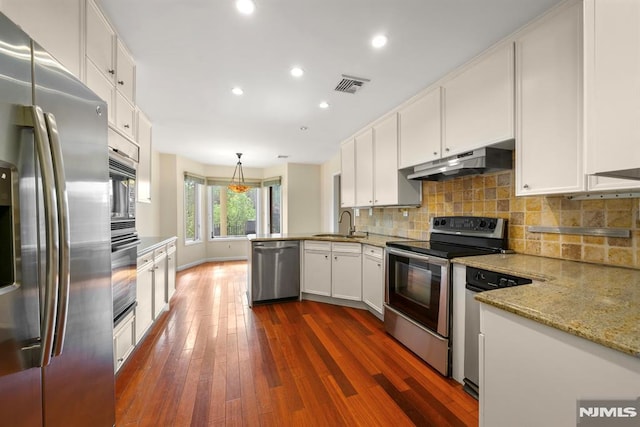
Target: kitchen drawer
{"x": 145, "y": 260}
{"x": 171, "y": 248}
{"x": 124, "y": 340}
{"x": 346, "y": 247}
{"x": 160, "y": 252}
{"x": 373, "y": 251}
{"x": 317, "y": 246}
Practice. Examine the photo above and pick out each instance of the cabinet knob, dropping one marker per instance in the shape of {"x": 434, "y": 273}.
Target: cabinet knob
{"x": 369, "y": 201}
{"x": 435, "y": 153}
{"x": 526, "y": 186}
{"x": 126, "y": 126}
{"x": 326, "y": 257}
{"x": 121, "y": 359}
{"x": 379, "y": 265}
{"x": 446, "y": 149}
{"x": 121, "y": 82}
{"x": 335, "y": 257}
{"x": 112, "y": 72}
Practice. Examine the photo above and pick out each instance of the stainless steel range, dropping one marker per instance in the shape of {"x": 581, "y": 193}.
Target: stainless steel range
{"x": 418, "y": 283}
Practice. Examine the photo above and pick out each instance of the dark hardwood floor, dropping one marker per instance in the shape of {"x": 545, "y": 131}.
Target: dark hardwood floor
{"x": 212, "y": 360}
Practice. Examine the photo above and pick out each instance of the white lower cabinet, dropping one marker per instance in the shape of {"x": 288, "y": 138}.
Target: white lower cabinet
{"x": 346, "y": 271}
{"x": 534, "y": 375}
{"x": 124, "y": 340}
{"x": 333, "y": 269}
{"x": 144, "y": 296}
{"x": 159, "y": 281}
{"x": 317, "y": 268}
{"x": 373, "y": 278}
{"x": 171, "y": 270}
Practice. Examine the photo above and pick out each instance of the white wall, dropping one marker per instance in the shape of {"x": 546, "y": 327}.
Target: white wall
{"x": 148, "y": 214}
{"x": 304, "y": 205}
{"x": 328, "y": 170}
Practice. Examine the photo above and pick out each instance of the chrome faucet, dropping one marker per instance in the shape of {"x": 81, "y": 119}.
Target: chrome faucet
{"x": 352, "y": 229}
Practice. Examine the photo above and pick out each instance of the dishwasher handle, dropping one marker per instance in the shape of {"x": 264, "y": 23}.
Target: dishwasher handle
{"x": 261, "y": 248}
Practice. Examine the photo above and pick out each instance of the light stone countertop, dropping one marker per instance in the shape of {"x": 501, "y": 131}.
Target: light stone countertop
{"x": 596, "y": 302}
{"x": 372, "y": 239}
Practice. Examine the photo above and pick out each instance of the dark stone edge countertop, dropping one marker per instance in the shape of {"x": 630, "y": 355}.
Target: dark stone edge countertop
{"x": 372, "y": 239}
{"x": 147, "y": 244}
{"x": 597, "y": 302}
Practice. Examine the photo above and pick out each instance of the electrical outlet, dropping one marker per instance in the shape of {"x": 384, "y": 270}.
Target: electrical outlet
{"x": 370, "y": 211}
{"x": 405, "y": 213}
{"x": 356, "y": 212}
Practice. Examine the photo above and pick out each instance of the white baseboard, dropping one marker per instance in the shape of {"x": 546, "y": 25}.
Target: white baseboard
{"x": 216, "y": 259}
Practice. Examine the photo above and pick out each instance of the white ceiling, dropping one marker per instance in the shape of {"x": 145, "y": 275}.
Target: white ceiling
{"x": 191, "y": 53}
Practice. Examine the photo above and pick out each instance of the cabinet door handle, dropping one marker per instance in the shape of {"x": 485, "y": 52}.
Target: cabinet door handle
{"x": 121, "y": 82}
{"x": 121, "y": 359}
{"x": 526, "y": 186}
{"x": 112, "y": 72}
{"x": 126, "y": 126}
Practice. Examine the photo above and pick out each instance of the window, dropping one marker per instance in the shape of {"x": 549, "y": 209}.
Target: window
{"x": 238, "y": 214}
{"x": 192, "y": 208}
{"x": 232, "y": 214}
{"x": 272, "y": 188}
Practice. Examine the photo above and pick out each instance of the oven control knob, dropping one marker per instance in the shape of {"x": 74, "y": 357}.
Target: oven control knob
{"x": 511, "y": 282}
{"x": 503, "y": 283}
{"x": 483, "y": 223}
{"x": 492, "y": 225}
{"x": 436, "y": 222}
{"x": 443, "y": 221}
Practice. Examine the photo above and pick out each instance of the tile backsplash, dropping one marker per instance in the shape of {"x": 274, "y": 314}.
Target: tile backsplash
{"x": 493, "y": 195}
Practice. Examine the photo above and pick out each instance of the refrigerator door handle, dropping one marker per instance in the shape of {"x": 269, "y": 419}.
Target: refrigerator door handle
{"x": 63, "y": 234}
{"x": 47, "y": 323}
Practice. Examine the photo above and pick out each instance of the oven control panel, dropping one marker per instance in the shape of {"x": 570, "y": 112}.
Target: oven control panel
{"x": 468, "y": 224}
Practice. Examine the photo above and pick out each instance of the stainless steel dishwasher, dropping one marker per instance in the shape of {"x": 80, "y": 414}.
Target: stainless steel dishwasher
{"x": 275, "y": 270}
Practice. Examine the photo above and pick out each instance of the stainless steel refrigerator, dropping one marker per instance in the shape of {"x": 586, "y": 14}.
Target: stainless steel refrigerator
{"x": 56, "y": 323}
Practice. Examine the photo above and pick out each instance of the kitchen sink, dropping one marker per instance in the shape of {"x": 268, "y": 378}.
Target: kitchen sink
{"x": 336, "y": 235}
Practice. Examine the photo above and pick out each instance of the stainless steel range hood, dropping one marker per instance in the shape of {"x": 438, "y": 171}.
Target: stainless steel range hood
{"x": 622, "y": 174}
{"x": 482, "y": 160}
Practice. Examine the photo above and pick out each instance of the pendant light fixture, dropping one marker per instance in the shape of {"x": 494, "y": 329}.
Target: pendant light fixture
{"x": 238, "y": 185}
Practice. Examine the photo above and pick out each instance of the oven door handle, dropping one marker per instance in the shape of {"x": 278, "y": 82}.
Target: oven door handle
{"x": 124, "y": 246}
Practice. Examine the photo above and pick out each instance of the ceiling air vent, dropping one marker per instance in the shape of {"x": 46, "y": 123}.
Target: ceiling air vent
{"x": 350, "y": 84}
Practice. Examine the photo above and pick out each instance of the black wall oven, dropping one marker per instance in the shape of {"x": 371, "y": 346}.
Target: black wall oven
{"x": 124, "y": 238}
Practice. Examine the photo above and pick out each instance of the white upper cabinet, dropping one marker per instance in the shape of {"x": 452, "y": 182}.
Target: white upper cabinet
{"x": 56, "y": 25}
{"x": 107, "y": 57}
{"x": 479, "y": 103}
{"x": 549, "y": 105}
{"x": 102, "y": 87}
{"x": 125, "y": 73}
{"x": 348, "y": 174}
{"x": 420, "y": 130}
{"x": 100, "y": 42}
{"x": 364, "y": 168}
{"x": 612, "y": 30}
{"x": 385, "y": 162}
{"x": 125, "y": 116}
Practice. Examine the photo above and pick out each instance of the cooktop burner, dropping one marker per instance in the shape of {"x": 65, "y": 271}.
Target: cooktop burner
{"x": 441, "y": 250}
{"x": 458, "y": 236}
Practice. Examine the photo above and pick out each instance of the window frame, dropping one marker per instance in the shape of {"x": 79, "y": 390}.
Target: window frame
{"x": 197, "y": 209}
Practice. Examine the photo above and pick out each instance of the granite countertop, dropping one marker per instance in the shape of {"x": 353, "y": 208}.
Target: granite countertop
{"x": 596, "y": 302}
{"x": 370, "y": 239}
{"x": 148, "y": 244}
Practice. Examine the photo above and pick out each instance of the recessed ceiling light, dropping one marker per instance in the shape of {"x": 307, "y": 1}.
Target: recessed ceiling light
{"x": 246, "y": 7}
{"x": 379, "y": 41}
{"x": 297, "y": 72}
{"x": 237, "y": 91}
{"x": 303, "y": 128}
{"x": 323, "y": 105}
